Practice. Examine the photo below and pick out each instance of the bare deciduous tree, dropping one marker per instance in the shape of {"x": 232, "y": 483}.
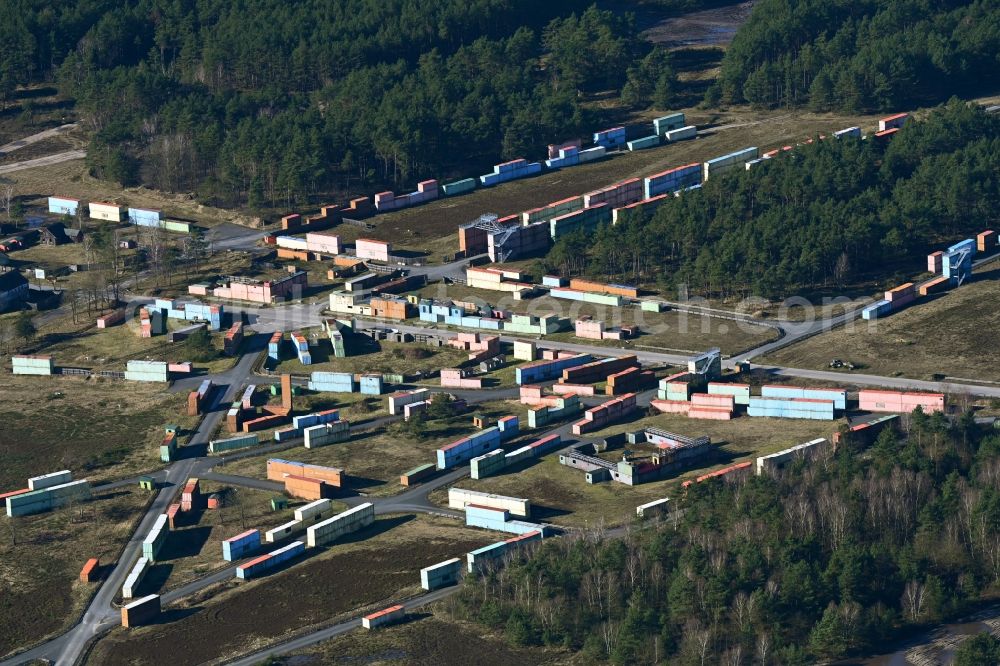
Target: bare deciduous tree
{"x": 7, "y": 199}
{"x": 913, "y": 600}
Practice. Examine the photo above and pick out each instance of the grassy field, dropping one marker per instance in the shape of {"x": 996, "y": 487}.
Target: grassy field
{"x": 373, "y": 461}
{"x": 668, "y": 331}
{"x": 34, "y": 109}
{"x": 419, "y": 228}
{"x": 561, "y": 496}
{"x": 82, "y": 344}
{"x": 409, "y": 359}
{"x": 99, "y": 429}
{"x": 233, "y": 262}
{"x": 194, "y": 549}
{"x": 355, "y": 407}
{"x": 72, "y": 180}
{"x": 358, "y": 572}
{"x": 950, "y": 336}
{"x": 503, "y": 377}
{"x": 174, "y": 282}
{"x": 59, "y": 143}
{"x": 378, "y": 357}
{"x": 739, "y": 439}
{"x": 52, "y": 257}
{"x": 427, "y": 639}
{"x": 41, "y": 557}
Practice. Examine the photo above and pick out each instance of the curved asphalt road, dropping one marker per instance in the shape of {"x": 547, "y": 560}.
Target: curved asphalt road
{"x": 99, "y": 616}
{"x": 102, "y": 616}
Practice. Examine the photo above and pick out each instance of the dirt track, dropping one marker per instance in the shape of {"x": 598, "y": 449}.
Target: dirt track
{"x": 34, "y": 138}
{"x": 44, "y": 161}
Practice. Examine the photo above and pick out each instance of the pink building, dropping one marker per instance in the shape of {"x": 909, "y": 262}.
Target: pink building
{"x": 589, "y": 329}
{"x": 366, "y": 248}
{"x": 671, "y": 406}
{"x": 711, "y": 413}
{"x": 561, "y": 388}
{"x": 268, "y": 291}
{"x": 480, "y": 347}
{"x": 457, "y": 378}
{"x": 318, "y": 241}
{"x": 710, "y": 400}
{"x": 899, "y": 401}
{"x": 533, "y": 395}
{"x": 116, "y": 317}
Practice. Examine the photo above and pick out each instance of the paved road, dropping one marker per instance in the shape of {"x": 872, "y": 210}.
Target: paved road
{"x": 798, "y": 331}
{"x": 100, "y": 615}
{"x": 43, "y": 161}
{"x": 245, "y": 481}
{"x": 273, "y": 319}
{"x": 8, "y": 148}
{"x": 415, "y": 500}
{"x": 887, "y": 382}
{"x": 229, "y": 236}
{"x": 336, "y": 630}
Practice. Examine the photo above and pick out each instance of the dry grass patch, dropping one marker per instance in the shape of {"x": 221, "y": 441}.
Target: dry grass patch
{"x": 427, "y": 639}
{"x": 356, "y": 574}
{"x": 373, "y": 461}
{"x": 560, "y": 494}
{"x": 377, "y": 357}
{"x": 41, "y": 557}
{"x": 950, "y": 336}
{"x": 82, "y": 344}
{"x": 99, "y": 429}
{"x": 194, "y": 549}
{"x": 73, "y": 180}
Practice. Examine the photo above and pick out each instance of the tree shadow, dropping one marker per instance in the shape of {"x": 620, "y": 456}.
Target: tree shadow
{"x": 696, "y": 59}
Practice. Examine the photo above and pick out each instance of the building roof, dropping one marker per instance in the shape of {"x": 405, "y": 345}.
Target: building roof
{"x": 11, "y": 280}
{"x": 57, "y": 230}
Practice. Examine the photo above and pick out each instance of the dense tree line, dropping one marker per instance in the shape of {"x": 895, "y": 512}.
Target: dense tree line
{"x": 266, "y": 102}
{"x": 856, "y": 55}
{"x": 828, "y": 215}
{"x": 831, "y": 557}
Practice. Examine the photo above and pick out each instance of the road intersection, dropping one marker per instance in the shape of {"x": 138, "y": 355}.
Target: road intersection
{"x": 101, "y": 614}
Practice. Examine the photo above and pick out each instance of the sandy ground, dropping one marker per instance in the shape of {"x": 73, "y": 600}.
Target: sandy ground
{"x": 710, "y": 27}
